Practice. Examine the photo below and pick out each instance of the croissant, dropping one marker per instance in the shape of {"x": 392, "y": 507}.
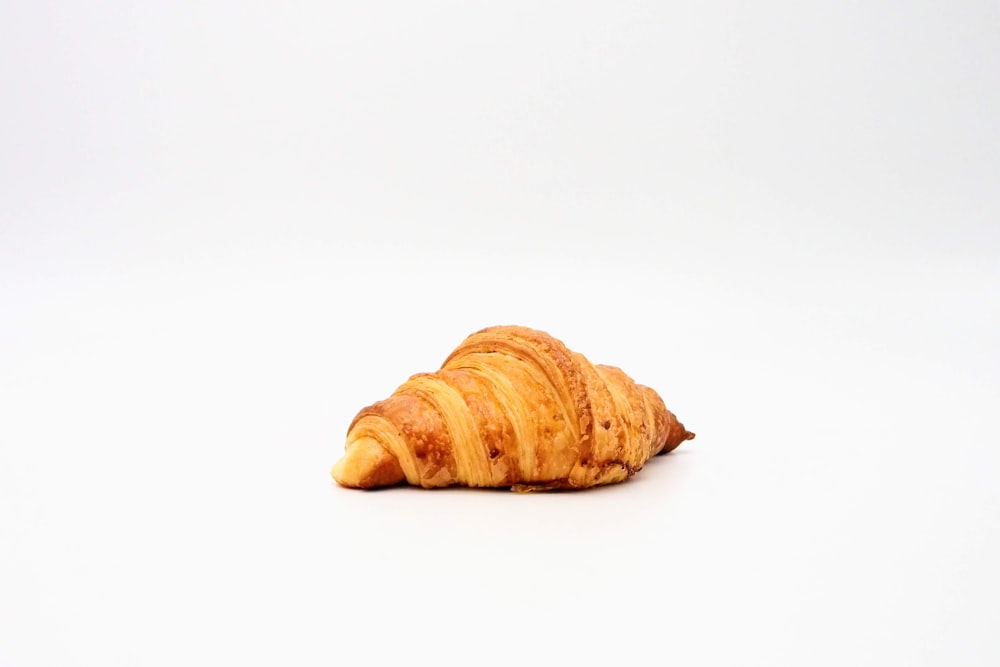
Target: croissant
{"x": 510, "y": 407}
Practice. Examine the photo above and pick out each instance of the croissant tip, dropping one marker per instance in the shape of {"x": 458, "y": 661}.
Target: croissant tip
{"x": 337, "y": 471}
{"x": 365, "y": 465}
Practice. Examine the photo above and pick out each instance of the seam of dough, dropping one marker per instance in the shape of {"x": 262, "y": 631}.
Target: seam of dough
{"x": 537, "y": 364}
{"x": 461, "y": 428}
{"x": 505, "y": 395}
{"x": 623, "y": 408}
{"x": 385, "y": 433}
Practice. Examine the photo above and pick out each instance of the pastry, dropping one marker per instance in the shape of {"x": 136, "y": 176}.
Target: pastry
{"x": 510, "y": 407}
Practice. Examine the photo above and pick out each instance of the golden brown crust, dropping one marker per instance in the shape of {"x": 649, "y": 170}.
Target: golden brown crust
{"x": 385, "y": 472}
{"x": 676, "y": 434}
{"x": 492, "y": 425}
{"x": 511, "y": 407}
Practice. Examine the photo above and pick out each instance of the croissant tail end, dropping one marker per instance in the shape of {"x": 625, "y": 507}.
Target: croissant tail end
{"x": 366, "y": 465}
{"x": 674, "y": 441}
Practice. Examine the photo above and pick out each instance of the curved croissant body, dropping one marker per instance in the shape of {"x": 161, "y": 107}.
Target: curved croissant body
{"x": 511, "y": 407}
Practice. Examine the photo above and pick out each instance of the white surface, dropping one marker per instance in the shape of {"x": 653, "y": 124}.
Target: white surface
{"x": 225, "y": 229}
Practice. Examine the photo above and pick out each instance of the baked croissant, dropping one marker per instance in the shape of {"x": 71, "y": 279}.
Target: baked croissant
{"x": 511, "y": 407}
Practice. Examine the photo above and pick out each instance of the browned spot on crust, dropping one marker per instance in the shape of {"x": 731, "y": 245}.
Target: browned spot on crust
{"x": 550, "y": 485}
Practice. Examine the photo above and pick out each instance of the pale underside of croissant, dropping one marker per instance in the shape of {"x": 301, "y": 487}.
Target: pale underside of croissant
{"x": 510, "y": 407}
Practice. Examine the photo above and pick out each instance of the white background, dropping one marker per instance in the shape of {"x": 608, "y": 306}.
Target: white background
{"x": 226, "y": 227}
